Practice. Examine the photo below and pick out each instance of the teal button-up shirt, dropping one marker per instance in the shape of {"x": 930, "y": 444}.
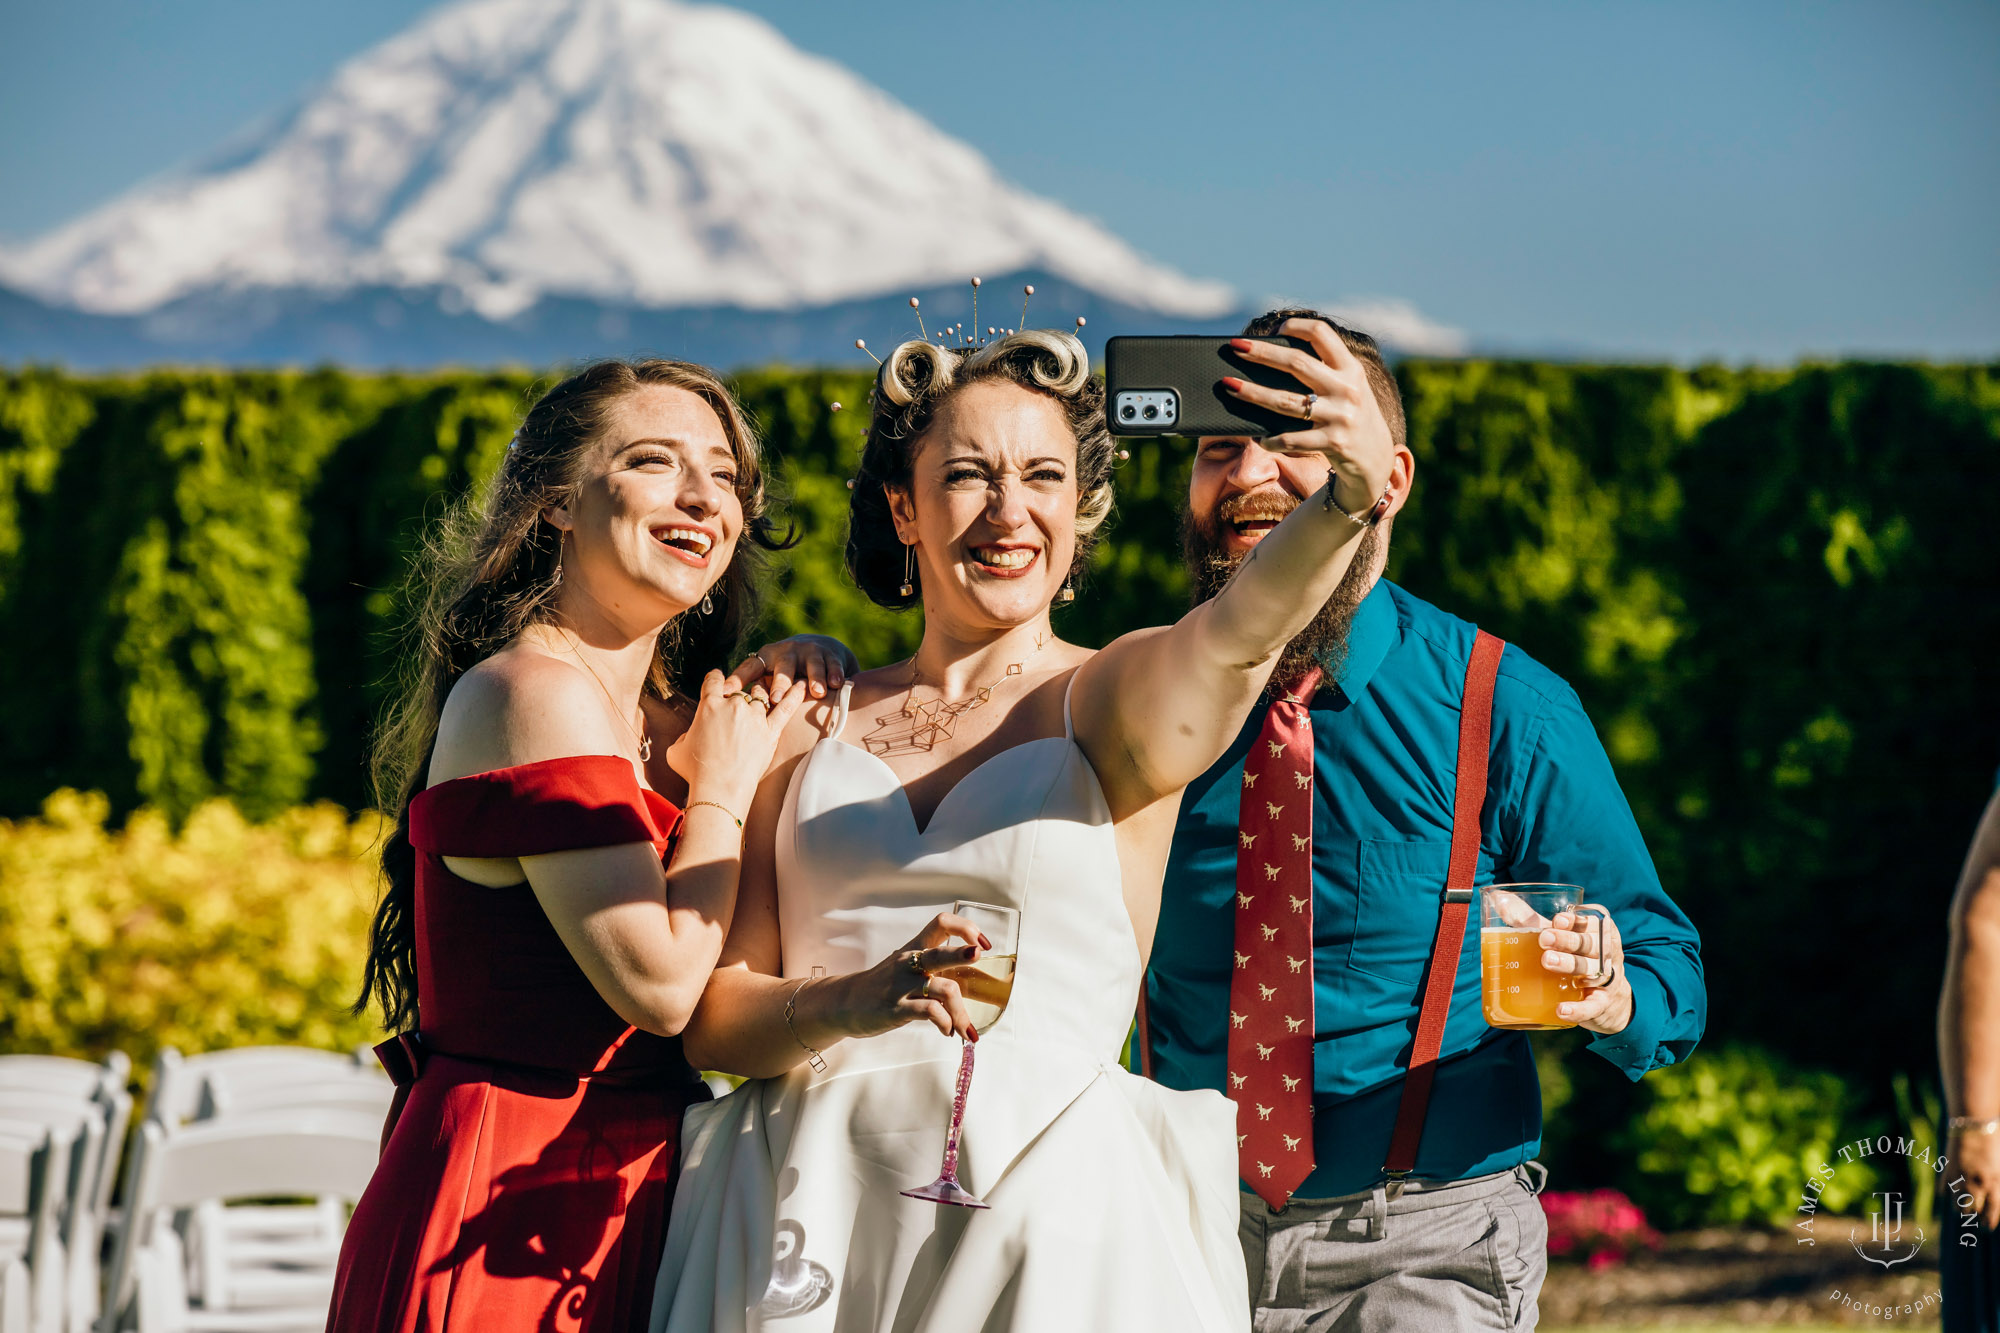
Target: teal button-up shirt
{"x": 1385, "y": 743}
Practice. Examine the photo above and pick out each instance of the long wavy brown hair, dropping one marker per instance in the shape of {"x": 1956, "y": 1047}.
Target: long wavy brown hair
{"x": 489, "y": 569}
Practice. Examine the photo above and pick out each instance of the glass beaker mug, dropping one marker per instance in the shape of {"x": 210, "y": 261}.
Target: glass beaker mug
{"x": 1515, "y": 990}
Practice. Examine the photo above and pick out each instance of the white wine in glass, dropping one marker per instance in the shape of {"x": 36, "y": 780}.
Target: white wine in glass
{"x": 986, "y": 984}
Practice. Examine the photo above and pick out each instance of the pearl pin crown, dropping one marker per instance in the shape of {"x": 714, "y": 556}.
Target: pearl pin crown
{"x": 964, "y": 337}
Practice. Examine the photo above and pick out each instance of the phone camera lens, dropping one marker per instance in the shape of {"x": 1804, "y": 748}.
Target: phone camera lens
{"x": 1151, "y": 411}
{"x": 1126, "y": 411}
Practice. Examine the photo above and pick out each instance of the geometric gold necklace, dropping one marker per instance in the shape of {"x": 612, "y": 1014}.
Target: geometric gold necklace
{"x": 921, "y": 726}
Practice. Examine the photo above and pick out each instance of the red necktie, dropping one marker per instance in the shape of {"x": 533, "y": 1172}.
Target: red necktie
{"x": 1271, "y": 989}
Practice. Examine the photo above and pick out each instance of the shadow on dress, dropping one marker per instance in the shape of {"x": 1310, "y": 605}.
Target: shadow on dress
{"x": 548, "y": 1219}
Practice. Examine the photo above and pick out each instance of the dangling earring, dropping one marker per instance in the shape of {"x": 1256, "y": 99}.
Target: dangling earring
{"x": 907, "y": 587}
{"x": 556, "y": 582}
{"x": 1067, "y": 594}
{"x": 707, "y": 605}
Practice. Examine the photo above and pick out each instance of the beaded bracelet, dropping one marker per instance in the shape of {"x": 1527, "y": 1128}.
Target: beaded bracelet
{"x": 1975, "y": 1125}
{"x": 1368, "y": 518}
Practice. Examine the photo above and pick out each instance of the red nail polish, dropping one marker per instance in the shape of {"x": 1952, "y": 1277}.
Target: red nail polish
{"x": 972, "y": 1034}
{"x": 1231, "y": 382}
{"x": 985, "y": 943}
{"x": 1240, "y": 344}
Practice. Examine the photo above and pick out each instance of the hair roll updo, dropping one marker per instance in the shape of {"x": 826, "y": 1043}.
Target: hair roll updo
{"x": 913, "y": 385}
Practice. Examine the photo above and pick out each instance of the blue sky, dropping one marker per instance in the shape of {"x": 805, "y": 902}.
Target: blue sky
{"x": 1752, "y": 180}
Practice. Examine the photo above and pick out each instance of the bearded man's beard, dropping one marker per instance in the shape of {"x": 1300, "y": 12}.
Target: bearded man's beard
{"x": 1323, "y": 643}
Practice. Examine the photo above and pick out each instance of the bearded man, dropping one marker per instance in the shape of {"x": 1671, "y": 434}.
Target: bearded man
{"x": 1294, "y": 955}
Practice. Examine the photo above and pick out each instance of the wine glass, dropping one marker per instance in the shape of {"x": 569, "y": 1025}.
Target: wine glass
{"x": 986, "y": 983}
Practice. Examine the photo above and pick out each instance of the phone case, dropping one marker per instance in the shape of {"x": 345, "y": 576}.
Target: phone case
{"x": 1192, "y": 367}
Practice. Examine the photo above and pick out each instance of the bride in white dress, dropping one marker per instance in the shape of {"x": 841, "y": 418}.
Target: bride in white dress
{"x": 1001, "y": 765}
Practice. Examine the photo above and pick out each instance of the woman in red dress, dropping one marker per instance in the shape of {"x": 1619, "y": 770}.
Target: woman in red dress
{"x": 550, "y": 919}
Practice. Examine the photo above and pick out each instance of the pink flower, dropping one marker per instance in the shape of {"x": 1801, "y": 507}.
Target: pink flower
{"x": 1602, "y": 1223}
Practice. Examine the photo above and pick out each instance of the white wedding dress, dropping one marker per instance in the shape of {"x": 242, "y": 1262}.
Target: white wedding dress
{"x": 1114, "y": 1200}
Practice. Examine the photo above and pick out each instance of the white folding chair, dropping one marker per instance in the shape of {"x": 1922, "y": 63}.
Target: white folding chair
{"x": 34, "y": 1184}
{"x": 104, "y": 1089}
{"x": 116, "y": 1102}
{"x": 248, "y": 1244}
{"x": 58, "y": 1074}
{"x": 189, "y": 1087}
{"x": 278, "y": 1237}
{"x": 15, "y": 1280}
{"x": 49, "y": 1073}
{"x": 355, "y": 1090}
{"x": 24, "y": 1165}
{"x": 78, "y": 1224}
{"x": 300, "y": 1152}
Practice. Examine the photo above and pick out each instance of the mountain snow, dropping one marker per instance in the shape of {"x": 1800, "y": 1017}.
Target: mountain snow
{"x": 643, "y": 152}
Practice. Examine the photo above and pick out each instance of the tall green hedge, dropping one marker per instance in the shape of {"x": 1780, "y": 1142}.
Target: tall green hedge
{"x": 1777, "y": 592}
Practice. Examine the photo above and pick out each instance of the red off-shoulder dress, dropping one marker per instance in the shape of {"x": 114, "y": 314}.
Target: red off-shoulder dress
{"x": 525, "y": 1182}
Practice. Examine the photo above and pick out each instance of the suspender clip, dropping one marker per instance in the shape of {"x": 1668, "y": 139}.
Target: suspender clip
{"x": 1452, "y": 896}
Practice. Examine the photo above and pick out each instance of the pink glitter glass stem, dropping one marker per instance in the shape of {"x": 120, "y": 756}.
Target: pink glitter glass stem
{"x": 957, "y": 1114}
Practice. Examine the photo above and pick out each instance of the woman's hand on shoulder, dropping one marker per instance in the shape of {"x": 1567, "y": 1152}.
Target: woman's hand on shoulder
{"x": 730, "y": 743}
{"x": 823, "y": 662}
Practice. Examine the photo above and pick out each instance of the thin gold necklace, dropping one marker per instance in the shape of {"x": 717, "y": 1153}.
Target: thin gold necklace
{"x": 920, "y": 726}
{"x": 641, "y": 738}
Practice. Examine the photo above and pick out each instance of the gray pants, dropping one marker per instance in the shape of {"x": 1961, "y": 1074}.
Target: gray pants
{"x": 1465, "y": 1254}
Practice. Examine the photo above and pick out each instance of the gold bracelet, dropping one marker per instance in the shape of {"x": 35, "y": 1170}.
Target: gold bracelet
{"x": 718, "y": 805}
{"x": 813, "y": 1057}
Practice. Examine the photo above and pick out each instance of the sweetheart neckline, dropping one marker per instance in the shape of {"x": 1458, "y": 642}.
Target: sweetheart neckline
{"x": 909, "y": 808}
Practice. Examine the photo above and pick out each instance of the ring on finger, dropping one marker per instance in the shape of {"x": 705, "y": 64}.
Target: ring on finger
{"x": 1306, "y": 406}
{"x": 926, "y": 991}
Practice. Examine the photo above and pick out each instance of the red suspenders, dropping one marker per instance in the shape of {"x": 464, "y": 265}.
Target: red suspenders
{"x": 1475, "y": 741}
{"x": 1475, "y": 736}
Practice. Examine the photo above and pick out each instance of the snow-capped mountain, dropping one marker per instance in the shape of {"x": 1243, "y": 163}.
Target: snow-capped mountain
{"x": 645, "y": 153}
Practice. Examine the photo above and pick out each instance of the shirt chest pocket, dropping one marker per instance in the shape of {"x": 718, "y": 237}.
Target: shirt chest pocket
{"x": 1400, "y": 887}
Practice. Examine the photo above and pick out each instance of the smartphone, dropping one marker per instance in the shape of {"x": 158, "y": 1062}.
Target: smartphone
{"x": 1172, "y": 386}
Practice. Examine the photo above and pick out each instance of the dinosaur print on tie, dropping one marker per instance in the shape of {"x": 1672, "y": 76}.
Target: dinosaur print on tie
{"x": 1271, "y": 988}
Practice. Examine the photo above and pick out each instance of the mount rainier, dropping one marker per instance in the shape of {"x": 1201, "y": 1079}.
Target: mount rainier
{"x": 534, "y": 181}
